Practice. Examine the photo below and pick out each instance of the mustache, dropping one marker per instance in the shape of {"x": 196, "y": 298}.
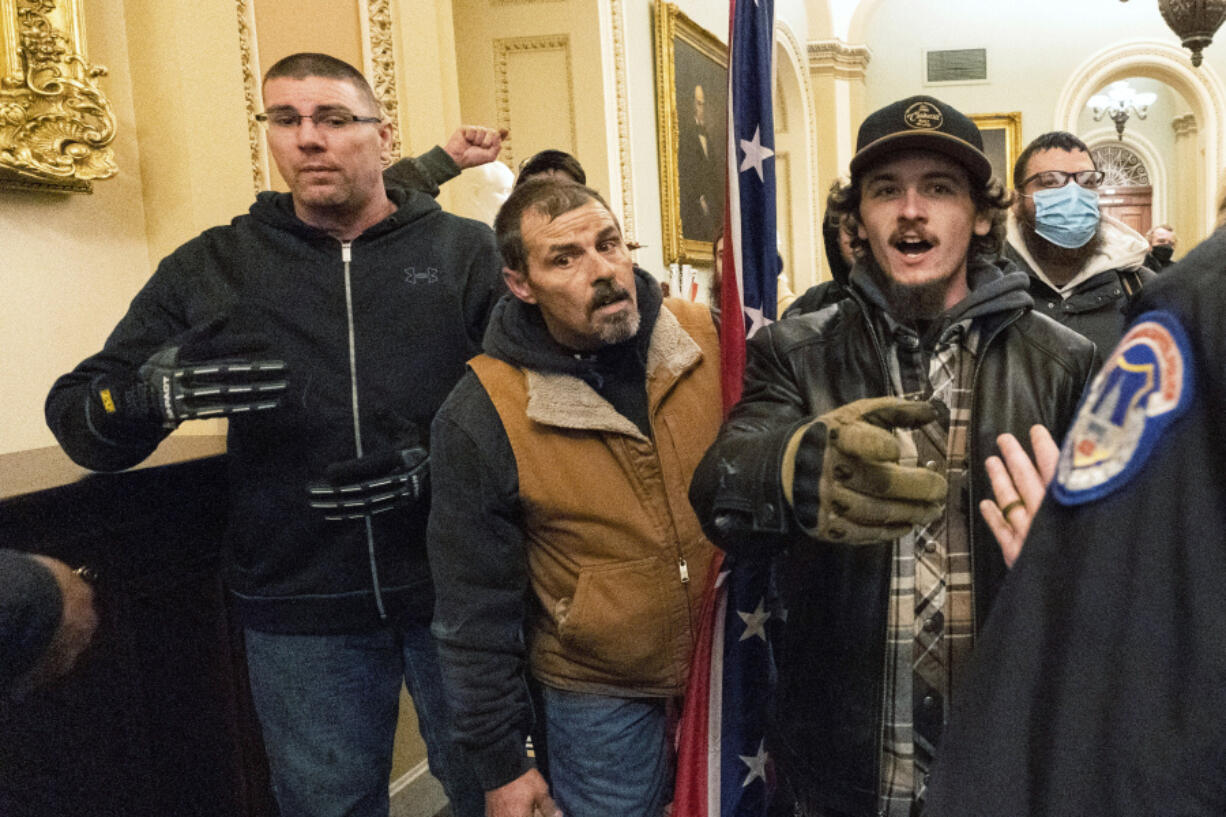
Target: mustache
{"x": 607, "y": 292}
{"x": 918, "y": 233}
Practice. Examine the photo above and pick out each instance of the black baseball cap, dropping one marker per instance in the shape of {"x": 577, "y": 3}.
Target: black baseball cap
{"x": 921, "y": 123}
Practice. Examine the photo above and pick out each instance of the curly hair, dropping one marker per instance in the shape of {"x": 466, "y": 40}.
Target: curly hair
{"x": 991, "y": 199}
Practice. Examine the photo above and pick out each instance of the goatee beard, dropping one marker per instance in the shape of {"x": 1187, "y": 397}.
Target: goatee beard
{"x": 911, "y": 302}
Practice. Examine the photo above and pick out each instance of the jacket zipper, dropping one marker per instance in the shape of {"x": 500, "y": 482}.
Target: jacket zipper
{"x": 346, "y": 258}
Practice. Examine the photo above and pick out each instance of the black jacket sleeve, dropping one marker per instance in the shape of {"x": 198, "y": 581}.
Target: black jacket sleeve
{"x": 158, "y": 314}
{"x": 30, "y": 611}
{"x": 485, "y": 285}
{"x": 479, "y": 565}
{"x": 425, "y": 173}
{"x": 737, "y": 490}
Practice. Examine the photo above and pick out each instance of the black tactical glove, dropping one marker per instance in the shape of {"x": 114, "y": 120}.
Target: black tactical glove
{"x": 203, "y": 373}
{"x": 842, "y": 478}
{"x": 372, "y": 484}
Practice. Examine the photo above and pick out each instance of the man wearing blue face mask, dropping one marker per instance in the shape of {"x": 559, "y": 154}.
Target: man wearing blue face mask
{"x": 1084, "y": 267}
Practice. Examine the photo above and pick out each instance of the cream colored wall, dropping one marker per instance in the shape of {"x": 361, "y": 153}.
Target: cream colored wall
{"x": 427, "y": 81}
{"x": 71, "y": 262}
{"x": 1030, "y": 57}
{"x": 191, "y": 121}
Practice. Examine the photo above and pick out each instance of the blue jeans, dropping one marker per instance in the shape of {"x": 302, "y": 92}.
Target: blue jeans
{"x": 328, "y": 706}
{"x": 608, "y": 757}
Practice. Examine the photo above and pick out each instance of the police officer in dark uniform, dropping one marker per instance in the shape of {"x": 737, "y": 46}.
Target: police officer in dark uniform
{"x": 1099, "y": 684}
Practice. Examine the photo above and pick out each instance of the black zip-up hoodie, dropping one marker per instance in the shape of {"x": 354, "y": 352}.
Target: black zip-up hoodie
{"x": 406, "y": 302}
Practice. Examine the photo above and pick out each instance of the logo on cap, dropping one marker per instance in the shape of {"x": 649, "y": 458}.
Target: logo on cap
{"x": 923, "y": 115}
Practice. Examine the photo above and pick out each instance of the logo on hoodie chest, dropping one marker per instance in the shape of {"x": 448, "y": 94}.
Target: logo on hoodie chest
{"x": 413, "y": 276}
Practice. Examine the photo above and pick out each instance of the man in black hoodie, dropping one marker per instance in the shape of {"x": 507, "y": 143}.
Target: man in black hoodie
{"x": 328, "y": 324}
{"x": 855, "y": 460}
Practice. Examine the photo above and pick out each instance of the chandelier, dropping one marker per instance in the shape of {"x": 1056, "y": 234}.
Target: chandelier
{"x": 1119, "y": 100}
{"x": 1193, "y": 21}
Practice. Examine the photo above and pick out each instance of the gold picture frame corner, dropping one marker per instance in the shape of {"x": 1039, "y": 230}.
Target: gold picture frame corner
{"x": 1011, "y": 124}
{"x": 57, "y": 123}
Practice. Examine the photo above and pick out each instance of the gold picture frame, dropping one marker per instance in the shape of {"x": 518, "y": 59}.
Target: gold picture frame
{"x": 1002, "y": 142}
{"x": 56, "y": 126}
{"x": 691, "y": 112}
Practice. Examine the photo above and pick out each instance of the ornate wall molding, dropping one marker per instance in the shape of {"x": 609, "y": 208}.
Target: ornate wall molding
{"x": 625, "y": 168}
{"x": 56, "y": 126}
{"x": 504, "y": 50}
{"x": 1184, "y": 125}
{"x": 248, "y": 51}
{"x": 839, "y": 59}
{"x": 381, "y": 62}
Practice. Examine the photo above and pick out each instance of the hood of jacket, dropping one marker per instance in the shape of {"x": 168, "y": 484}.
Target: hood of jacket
{"x": 1121, "y": 248}
{"x": 517, "y": 335}
{"x": 277, "y": 210}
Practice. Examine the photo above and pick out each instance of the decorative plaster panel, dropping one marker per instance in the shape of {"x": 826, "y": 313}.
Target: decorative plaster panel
{"x": 507, "y": 50}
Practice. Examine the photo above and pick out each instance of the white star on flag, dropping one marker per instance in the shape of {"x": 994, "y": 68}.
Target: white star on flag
{"x": 756, "y": 320}
{"x": 754, "y": 622}
{"x": 755, "y": 153}
{"x": 756, "y": 764}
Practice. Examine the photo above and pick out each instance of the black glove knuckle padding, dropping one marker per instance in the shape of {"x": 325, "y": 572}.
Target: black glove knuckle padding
{"x": 208, "y": 374}
{"x": 372, "y": 484}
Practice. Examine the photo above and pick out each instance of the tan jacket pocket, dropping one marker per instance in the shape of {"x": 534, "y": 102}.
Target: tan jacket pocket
{"x": 618, "y": 622}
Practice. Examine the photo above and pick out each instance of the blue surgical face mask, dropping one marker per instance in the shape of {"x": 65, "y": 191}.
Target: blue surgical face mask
{"x": 1066, "y": 216}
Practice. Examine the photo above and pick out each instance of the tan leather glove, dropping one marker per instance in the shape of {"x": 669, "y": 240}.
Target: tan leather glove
{"x": 842, "y": 478}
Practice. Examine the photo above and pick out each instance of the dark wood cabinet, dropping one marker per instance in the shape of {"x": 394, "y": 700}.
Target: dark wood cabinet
{"x": 157, "y": 719}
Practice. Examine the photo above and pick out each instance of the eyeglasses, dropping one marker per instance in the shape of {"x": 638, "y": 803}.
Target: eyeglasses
{"x": 1050, "y": 179}
{"x": 324, "y": 120}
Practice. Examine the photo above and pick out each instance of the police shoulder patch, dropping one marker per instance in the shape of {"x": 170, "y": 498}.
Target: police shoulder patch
{"x": 1141, "y": 389}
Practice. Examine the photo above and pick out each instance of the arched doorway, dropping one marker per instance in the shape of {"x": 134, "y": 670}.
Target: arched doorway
{"x": 1203, "y": 91}
{"x": 1126, "y": 192}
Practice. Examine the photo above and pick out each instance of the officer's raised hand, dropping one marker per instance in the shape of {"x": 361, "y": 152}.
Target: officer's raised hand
{"x": 205, "y": 372}
{"x": 842, "y": 477}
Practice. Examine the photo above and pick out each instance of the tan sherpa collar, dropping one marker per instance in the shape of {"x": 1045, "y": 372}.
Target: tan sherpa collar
{"x": 566, "y": 401}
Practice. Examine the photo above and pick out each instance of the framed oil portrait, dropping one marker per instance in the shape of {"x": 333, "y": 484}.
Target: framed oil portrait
{"x": 691, "y": 112}
{"x": 1002, "y": 141}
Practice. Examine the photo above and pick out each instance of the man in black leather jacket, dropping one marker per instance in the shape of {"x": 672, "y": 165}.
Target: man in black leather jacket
{"x": 884, "y": 568}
